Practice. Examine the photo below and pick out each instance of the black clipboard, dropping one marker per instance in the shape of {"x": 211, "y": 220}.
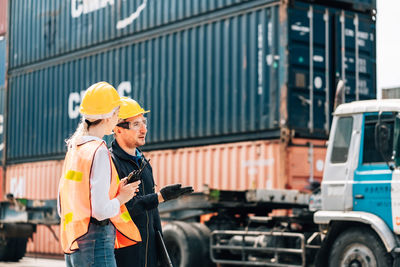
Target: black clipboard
{"x": 164, "y": 258}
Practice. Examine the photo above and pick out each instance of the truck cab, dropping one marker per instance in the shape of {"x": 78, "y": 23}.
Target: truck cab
{"x": 353, "y": 219}
{"x": 360, "y": 187}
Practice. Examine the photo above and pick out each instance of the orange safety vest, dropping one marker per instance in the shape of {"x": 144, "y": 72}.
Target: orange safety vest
{"x": 76, "y": 209}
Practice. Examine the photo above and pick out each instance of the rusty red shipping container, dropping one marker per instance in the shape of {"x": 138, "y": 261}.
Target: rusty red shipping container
{"x": 3, "y": 17}
{"x": 245, "y": 165}
{"x": 37, "y": 180}
{"x": 270, "y": 164}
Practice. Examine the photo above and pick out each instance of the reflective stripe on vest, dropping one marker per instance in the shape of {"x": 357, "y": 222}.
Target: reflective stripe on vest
{"x": 75, "y": 203}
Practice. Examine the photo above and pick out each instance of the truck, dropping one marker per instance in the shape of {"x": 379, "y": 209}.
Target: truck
{"x": 18, "y": 221}
{"x": 352, "y": 218}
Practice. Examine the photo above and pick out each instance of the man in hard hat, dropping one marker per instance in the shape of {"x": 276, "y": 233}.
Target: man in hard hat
{"x": 130, "y": 134}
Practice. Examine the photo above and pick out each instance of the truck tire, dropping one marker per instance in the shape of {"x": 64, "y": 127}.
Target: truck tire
{"x": 19, "y": 248}
{"x": 12, "y": 248}
{"x": 3, "y": 248}
{"x": 205, "y": 235}
{"x": 359, "y": 247}
{"x": 183, "y": 244}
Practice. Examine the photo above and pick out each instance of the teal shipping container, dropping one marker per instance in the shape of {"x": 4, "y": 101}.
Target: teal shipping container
{"x": 2, "y": 128}
{"x": 44, "y": 29}
{"x": 251, "y": 71}
{"x": 3, "y": 56}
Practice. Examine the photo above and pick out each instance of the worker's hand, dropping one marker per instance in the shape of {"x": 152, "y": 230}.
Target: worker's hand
{"x": 127, "y": 191}
{"x": 174, "y": 191}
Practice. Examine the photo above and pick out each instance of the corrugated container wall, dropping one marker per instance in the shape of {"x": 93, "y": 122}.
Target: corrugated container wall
{"x": 235, "y": 166}
{"x": 37, "y": 180}
{"x": 239, "y": 166}
{"x": 234, "y": 77}
{"x": 43, "y": 29}
{"x": 3, "y": 16}
{"x": 2, "y": 128}
{"x": 3, "y": 56}
{"x": 388, "y": 93}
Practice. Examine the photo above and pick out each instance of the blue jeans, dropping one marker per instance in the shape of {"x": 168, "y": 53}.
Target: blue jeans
{"x": 96, "y": 248}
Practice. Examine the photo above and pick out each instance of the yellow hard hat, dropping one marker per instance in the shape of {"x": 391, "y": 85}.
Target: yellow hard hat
{"x": 130, "y": 108}
{"x": 100, "y": 101}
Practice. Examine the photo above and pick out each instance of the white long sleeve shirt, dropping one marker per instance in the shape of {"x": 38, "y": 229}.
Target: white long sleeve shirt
{"x": 100, "y": 178}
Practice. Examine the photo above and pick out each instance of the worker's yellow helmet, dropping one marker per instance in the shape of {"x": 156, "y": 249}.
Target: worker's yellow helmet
{"x": 130, "y": 108}
{"x": 100, "y": 101}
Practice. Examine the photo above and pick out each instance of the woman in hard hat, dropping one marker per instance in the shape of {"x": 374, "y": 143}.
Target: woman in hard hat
{"x": 94, "y": 219}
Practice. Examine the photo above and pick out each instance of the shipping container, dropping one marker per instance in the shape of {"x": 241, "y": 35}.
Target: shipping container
{"x": 361, "y": 5}
{"x": 3, "y": 16}
{"x": 2, "y": 128}
{"x": 388, "y": 93}
{"x": 241, "y": 76}
{"x": 44, "y": 29}
{"x": 37, "y": 180}
{"x": 47, "y": 28}
{"x": 3, "y": 56}
{"x": 270, "y": 164}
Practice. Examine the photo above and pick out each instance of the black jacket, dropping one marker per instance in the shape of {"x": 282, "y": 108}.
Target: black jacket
{"x": 143, "y": 210}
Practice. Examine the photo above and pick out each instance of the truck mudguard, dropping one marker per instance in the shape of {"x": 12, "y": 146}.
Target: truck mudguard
{"x": 377, "y": 224}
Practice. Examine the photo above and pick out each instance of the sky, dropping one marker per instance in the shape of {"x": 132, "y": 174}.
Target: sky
{"x": 388, "y": 44}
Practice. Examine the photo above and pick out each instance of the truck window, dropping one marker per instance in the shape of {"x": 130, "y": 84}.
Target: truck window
{"x": 370, "y": 154}
{"x": 342, "y": 140}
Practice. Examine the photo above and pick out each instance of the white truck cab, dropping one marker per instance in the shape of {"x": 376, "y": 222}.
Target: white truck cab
{"x": 360, "y": 186}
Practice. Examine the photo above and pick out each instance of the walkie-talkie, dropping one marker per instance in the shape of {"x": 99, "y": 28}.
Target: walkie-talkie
{"x": 135, "y": 175}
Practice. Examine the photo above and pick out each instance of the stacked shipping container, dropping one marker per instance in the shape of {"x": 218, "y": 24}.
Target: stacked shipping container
{"x": 3, "y": 64}
{"x": 246, "y": 73}
{"x": 240, "y": 92}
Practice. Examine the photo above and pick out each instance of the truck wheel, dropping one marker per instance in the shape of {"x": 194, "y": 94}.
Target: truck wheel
{"x": 205, "y": 235}
{"x": 19, "y": 248}
{"x": 359, "y": 247}
{"x": 12, "y": 248}
{"x": 183, "y": 244}
{"x": 3, "y": 248}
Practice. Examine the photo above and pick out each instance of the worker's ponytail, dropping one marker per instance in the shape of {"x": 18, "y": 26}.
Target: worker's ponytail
{"x": 80, "y": 131}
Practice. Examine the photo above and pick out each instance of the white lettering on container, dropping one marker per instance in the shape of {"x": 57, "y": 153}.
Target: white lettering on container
{"x": 269, "y": 34}
{"x": 318, "y": 58}
{"x": 79, "y": 7}
{"x": 260, "y": 58}
{"x": 363, "y": 87}
{"x": 127, "y": 21}
{"x": 298, "y": 28}
{"x": 260, "y": 162}
{"x": 349, "y": 32}
{"x": 17, "y": 187}
{"x": 74, "y": 100}
{"x": 362, "y": 65}
{"x": 124, "y": 89}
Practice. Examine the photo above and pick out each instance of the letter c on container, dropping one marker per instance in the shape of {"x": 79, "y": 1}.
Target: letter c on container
{"x": 74, "y": 100}
{"x": 76, "y": 8}
{"x": 124, "y": 88}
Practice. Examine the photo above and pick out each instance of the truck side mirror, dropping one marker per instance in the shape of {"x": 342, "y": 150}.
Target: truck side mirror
{"x": 339, "y": 95}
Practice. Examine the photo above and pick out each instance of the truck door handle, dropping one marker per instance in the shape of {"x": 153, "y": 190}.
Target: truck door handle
{"x": 359, "y": 196}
